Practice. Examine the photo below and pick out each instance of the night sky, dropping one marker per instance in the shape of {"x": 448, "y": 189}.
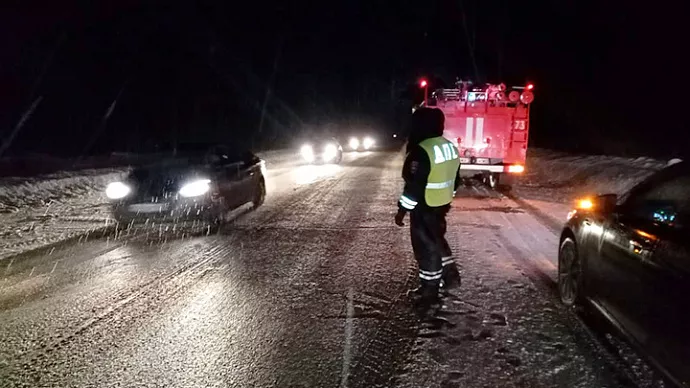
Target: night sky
{"x": 610, "y": 77}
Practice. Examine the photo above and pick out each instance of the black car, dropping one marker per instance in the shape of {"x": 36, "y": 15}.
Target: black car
{"x": 322, "y": 150}
{"x": 190, "y": 186}
{"x": 629, "y": 258}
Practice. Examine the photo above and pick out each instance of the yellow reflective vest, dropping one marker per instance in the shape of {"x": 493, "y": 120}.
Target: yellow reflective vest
{"x": 444, "y": 161}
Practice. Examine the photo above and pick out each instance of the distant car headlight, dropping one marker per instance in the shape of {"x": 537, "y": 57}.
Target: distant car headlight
{"x": 307, "y": 152}
{"x": 330, "y": 152}
{"x": 354, "y": 143}
{"x": 117, "y": 190}
{"x": 368, "y": 143}
{"x": 195, "y": 188}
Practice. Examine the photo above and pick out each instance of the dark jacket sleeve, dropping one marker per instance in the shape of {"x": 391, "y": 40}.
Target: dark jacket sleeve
{"x": 415, "y": 173}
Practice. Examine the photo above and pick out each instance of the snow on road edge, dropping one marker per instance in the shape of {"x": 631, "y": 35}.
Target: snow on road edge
{"x": 554, "y": 180}
{"x": 44, "y": 210}
{"x": 39, "y": 211}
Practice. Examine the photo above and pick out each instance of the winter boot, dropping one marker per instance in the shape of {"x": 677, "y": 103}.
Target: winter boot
{"x": 426, "y": 298}
{"x": 451, "y": 278}
{"x": 415, "y": 292}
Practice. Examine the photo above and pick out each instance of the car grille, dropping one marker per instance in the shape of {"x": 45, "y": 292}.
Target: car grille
{"x": 156, "y": 190}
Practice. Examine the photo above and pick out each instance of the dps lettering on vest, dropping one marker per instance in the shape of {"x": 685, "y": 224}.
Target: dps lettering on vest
{"x": 444, "y": 160}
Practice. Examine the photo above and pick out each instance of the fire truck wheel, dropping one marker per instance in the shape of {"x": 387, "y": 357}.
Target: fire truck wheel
{"x": 499, "y": 182}
{"x": 492, "y": 180}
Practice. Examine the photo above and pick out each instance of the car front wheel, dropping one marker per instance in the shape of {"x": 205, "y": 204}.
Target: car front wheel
{"x": 570, "y": 274}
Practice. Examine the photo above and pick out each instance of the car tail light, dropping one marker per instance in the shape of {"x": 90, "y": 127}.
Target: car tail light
{"x": 516, "y": 169}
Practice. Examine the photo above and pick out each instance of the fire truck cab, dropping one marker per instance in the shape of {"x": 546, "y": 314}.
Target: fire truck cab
{"x": 489, "y": 125}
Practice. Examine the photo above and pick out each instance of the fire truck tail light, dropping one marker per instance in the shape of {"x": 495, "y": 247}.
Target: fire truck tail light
{"x": 459, "y": 140}
{"x": 516, "y": 169}
{"x": 530, "y": 86}
{"x": 488, "y": 140}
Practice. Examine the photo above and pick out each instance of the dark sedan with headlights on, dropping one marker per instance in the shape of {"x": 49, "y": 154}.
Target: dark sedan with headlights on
{"x": 629, "y": 258}
{"x": 199, "y": 186}
{"x": 326, "y": 150}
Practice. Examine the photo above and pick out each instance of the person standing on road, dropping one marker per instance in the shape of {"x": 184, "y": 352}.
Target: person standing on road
{"x": 430, "y": 172}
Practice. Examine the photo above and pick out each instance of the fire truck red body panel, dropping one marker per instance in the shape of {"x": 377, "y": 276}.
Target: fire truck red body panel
{"x": 490, "y": 130}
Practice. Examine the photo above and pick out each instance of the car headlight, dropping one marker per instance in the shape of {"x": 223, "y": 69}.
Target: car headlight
{"x": 117, "y": 190}
{"x": 263, "y": 167}
{"x": 195, "y": 188}
{"x": 354, "y": 143}
{"x": 330, "y": 152}
{"x": 307, "y": 152}
{"x": 368, "y": 143}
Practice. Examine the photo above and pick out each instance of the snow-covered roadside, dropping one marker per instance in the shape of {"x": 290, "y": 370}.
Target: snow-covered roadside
{"x": 553, "y": 181}
{"x": 40, "y": 211}
{"x": 504, "y": 327}
{"x": 50, "y": 208}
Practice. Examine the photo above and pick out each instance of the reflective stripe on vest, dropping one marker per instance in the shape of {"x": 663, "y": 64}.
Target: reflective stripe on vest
{"x": 441, "y": 185}
{"x": 444, "y": 161}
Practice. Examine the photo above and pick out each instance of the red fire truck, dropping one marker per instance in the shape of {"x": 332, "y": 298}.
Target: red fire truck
{"x": 490, "y": 126}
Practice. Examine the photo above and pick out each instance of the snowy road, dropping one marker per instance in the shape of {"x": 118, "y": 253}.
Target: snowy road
{"x": 307, "y": 291}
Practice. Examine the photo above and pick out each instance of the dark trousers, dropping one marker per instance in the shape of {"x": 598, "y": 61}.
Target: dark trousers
{"x": 433, "y": 254}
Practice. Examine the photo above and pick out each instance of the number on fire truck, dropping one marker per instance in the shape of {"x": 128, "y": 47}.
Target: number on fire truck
{"x": 519, "y": 125}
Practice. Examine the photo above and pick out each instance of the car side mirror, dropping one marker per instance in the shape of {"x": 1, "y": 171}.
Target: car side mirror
{"x": 606, "y": 203}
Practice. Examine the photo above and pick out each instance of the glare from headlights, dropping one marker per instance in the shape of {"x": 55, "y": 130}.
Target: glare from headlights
{"x": 354, "y": 143}
{"x": 195, "y": 188}
{"x": 307, "y": 153}
{"x": 368, "y": 143}
{"x": 330, "y": 152}
{"x": 263, "y": 167}
{"x": 117, "y": 190}
{"x": 571, "y": 214}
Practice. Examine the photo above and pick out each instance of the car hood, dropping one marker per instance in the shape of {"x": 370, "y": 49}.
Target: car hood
{"x": 165, "y": 178}
{"x": 322, "y": 143}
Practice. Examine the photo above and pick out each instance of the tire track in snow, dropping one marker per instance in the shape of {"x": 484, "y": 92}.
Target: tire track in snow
{"x": 589, "y": 338}
{"x": 192, "y": 272}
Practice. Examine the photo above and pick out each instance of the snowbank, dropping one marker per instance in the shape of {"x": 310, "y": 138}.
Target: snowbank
{"x": 17, "y": 194}
{"x": 50, "y": 208}
{"x": 586, "y": 173}
{"x": 554, "y": 180}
